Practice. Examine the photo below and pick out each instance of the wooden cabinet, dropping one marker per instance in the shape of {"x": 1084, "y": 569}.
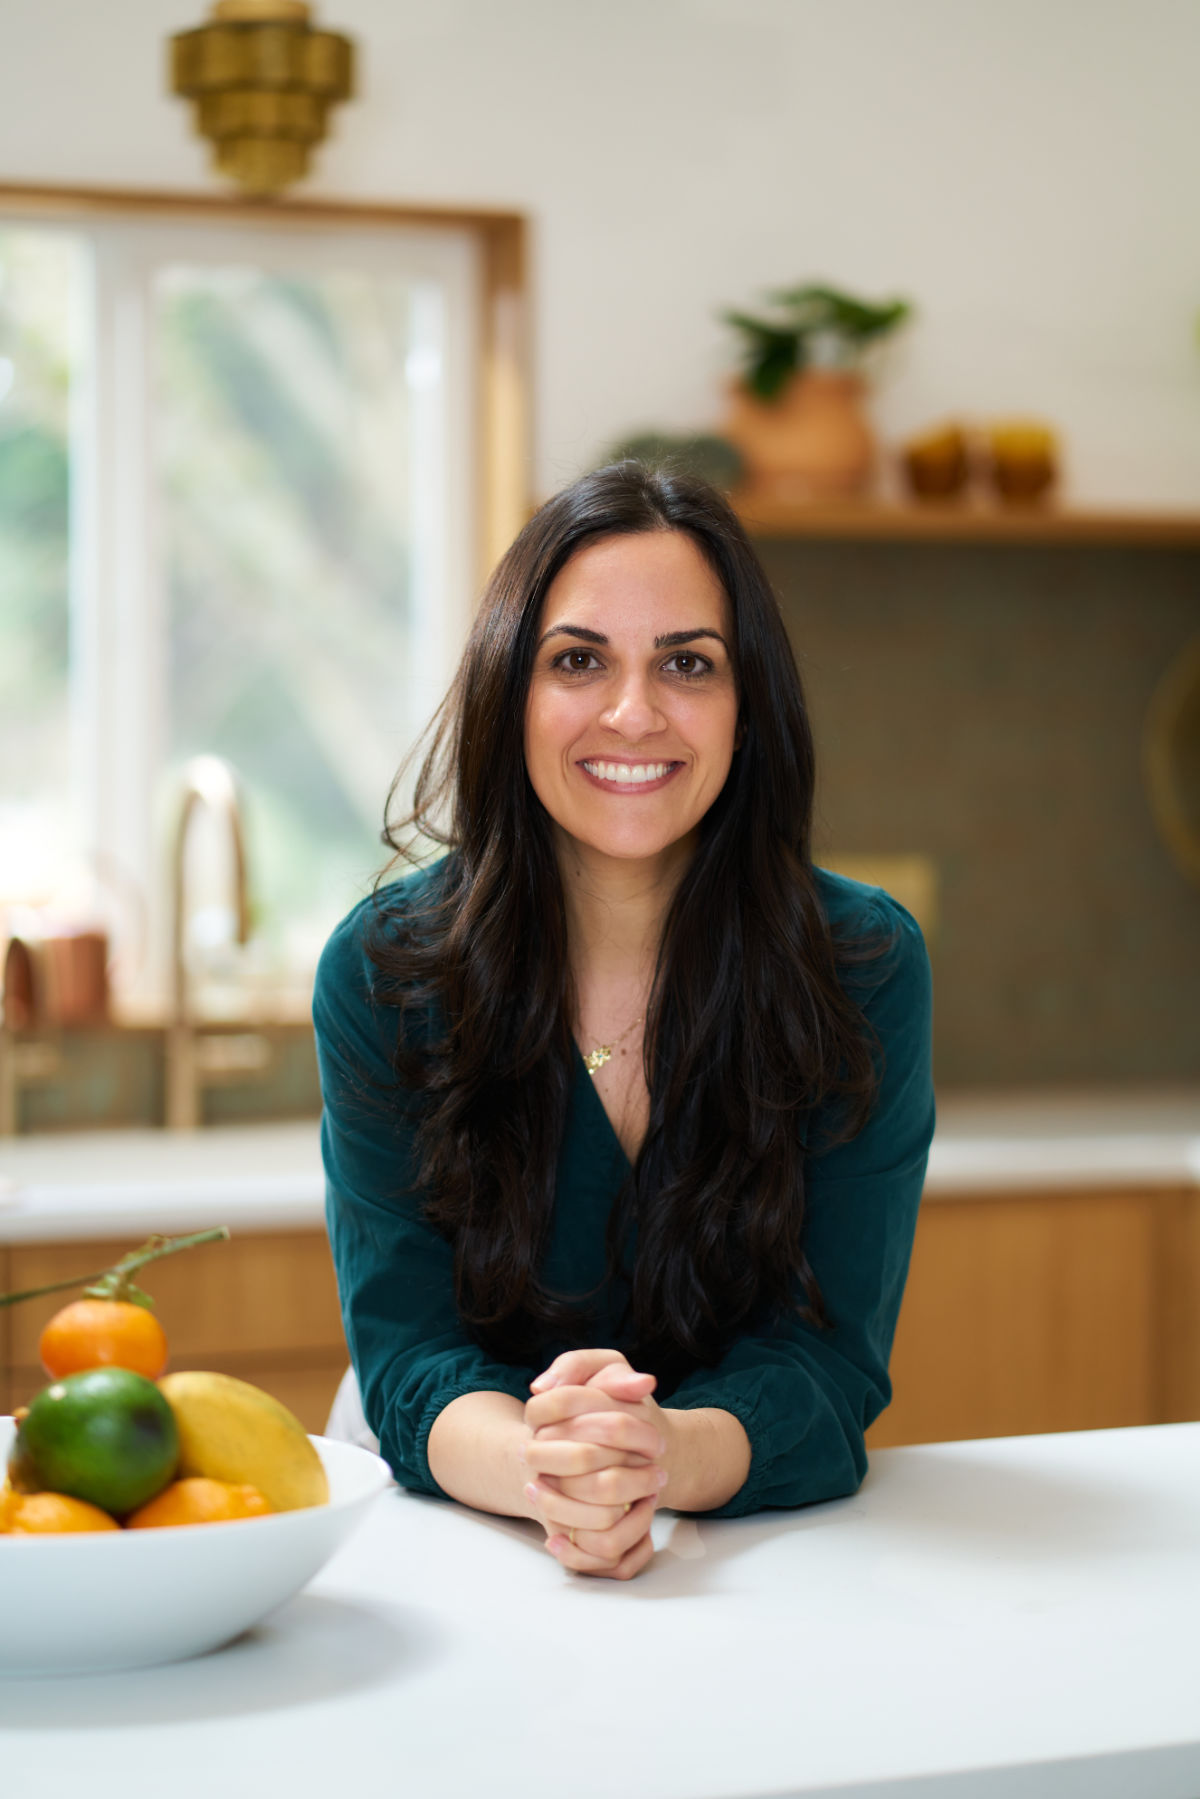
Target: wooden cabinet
{"x": 1025, "y": 1312}
{"x": 1052, "y": 1311}
{"x": 262, "y": 1306}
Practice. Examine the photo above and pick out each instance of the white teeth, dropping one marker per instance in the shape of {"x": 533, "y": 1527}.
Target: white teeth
{"x": 627, "y": 774}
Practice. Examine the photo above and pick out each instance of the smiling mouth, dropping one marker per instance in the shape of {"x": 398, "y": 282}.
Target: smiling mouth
{"x": 630, "y": 776}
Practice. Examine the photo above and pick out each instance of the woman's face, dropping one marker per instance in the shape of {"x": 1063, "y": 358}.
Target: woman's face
{"x": 632, "y": 715}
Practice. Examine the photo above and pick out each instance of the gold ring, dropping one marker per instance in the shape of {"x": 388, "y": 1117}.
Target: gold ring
{"x": 571, "y": 1536}
{"x": 628, "y": 1503}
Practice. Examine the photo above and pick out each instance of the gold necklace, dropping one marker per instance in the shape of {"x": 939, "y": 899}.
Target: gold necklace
{"x": 596, "y": 1058}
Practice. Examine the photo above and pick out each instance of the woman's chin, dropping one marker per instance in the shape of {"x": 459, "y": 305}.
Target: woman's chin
{"x": 631, "y": 847}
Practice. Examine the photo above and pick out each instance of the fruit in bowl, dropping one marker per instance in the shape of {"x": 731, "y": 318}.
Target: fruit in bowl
{"x": 105, "y": 1434}
{"x": 232, "y": 1431}
{"x": 111, "y": 1467}
{"x": 65, "y": 1598}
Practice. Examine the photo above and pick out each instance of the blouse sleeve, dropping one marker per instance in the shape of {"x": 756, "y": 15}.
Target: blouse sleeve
{"x": 806, "y": 1395}
{"x": 394, "y": 1272}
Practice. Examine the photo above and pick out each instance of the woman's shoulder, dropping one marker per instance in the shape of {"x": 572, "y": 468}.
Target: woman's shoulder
{"x": 346, "y": 962}
{"x": 878, "y": 941}
{"x": 854, "y": 908}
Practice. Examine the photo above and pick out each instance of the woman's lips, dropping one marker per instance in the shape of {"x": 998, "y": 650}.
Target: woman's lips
{"x": 628, "y": 777}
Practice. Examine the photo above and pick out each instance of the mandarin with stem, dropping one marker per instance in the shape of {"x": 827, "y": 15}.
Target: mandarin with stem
{"x": 103, "y": 1333}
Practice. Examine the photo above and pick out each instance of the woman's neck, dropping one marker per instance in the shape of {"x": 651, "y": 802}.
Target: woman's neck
{"x": 615, "y": 911}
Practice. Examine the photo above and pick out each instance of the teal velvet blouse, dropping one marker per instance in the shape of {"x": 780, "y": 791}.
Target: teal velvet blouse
{"x": 804, "y": 1395}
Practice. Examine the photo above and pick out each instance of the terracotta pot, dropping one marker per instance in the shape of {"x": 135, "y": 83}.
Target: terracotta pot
{"x": 812, "y": 443}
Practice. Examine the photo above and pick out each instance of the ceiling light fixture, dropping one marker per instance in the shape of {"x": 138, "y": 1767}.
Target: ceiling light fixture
{"x": 263, "y": 80}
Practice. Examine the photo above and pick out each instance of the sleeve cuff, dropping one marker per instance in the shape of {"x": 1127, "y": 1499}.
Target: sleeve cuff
{"x": 748, "y": 1496}
{"x": 514, "y": 1382}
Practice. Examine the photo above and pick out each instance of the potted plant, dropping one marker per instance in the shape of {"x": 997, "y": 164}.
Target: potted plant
{"x": 796, "y": 411}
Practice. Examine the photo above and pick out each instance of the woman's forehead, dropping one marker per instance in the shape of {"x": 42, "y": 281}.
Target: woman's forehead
{"x": 645, "y": 581}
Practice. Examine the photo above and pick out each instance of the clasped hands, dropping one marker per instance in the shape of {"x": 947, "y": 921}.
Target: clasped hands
{"x": 597, "y": 1460}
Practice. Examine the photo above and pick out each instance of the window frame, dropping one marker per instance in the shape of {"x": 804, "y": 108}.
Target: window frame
{"x": 118, "y": 626}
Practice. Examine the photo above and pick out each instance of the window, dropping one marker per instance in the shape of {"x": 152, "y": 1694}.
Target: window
{"x": 41, "y": 305}
{"x": 246, "y": 471}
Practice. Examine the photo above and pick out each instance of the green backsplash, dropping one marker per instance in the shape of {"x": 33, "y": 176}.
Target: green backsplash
{"x": 115, "y": 1078}
{"x": 984, "y": 705}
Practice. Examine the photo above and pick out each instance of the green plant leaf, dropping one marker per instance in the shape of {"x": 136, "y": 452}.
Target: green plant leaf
{"x": 817, "y": 307}
{"x": 771, "y": 353}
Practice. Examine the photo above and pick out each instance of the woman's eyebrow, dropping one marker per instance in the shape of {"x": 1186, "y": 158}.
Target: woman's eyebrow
{"x": 673, "y": 639}
{"x": 670, "y": 641}
{"x": 572, "y": 631}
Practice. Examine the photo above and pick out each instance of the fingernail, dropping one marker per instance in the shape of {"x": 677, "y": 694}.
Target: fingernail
{"x": 531, "y": 1492}
{"x": 556, "y": 1545}
{"x": 663, "y": 1477}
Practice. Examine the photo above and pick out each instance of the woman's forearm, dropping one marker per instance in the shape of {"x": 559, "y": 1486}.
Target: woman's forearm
{"x": 707, "y": 1460}
{"x": 473, "y": 1453}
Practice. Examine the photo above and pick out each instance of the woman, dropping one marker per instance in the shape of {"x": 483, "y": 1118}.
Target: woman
{"x": 627, "y": 1105}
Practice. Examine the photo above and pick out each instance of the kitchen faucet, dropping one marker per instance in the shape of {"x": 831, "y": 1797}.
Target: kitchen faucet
{"x": 196, "y": 1056}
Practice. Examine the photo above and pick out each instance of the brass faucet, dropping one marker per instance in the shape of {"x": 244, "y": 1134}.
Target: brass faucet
{"x": 198, "y": 1056}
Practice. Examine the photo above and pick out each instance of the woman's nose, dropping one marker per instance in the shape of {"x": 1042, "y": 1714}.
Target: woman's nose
{"x": 633, "y": 711}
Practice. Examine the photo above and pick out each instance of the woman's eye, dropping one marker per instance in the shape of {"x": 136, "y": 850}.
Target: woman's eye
{"x": 688, "y": 664}
{"x": 576, "y": 662}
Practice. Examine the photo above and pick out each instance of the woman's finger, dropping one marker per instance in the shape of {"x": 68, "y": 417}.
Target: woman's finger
{"x": 612, "y": 1486}
{"x": 555, "y": 1455}
{"x": 576, "y": 1367}
{"x": 631, "y": 1563}
{"x": 558, "y": 1513}
{"x": 622, "y": 1382}
{"x": 561, "y": 1403}
{"x": 613, "y": 1430}
{"x": 587, "y": 1550}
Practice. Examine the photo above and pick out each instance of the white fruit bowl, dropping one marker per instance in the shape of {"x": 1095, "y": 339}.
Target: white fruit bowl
{"x": 95, "y": 1602}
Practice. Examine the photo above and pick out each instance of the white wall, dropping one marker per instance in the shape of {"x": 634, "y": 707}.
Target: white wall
{"x": 1028, "y": 172}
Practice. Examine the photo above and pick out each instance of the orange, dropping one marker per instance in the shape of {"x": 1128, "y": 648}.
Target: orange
{"x": 46, "y": 1514}
{"x": 198, "y": 1500}
{"x": 103, "y": 1333}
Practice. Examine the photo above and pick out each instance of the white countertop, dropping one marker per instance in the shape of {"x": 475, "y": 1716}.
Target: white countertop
{"x": 268, "y": 1177}
{"x": 131, "y": 1183}
{"x": 1010, "y": 1619}
{"x": 1043, "y": 1138}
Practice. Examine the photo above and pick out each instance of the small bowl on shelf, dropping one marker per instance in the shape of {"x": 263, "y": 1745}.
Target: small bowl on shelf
{"x": 1022, "y": 460}
{"x": 106, "y": 1600}
{"x": 937, "y": 464}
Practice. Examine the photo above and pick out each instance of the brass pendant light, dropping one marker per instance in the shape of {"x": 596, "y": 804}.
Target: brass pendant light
{"x": 263, "y": 80}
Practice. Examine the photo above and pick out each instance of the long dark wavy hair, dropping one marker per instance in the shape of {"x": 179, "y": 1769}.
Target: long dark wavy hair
{"x": 749, "y": 1027}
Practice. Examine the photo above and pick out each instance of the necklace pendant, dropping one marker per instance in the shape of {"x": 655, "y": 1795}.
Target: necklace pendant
{"x": 596, "y": 1058}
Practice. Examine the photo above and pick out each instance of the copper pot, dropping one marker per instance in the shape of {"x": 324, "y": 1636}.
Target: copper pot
{"x": 60, "y": 979}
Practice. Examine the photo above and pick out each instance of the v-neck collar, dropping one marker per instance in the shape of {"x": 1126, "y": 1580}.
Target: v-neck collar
{"x": 592, "y": 1109}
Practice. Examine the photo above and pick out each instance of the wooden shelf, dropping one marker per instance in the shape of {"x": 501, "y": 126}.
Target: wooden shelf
{"x": 964, "y": 522}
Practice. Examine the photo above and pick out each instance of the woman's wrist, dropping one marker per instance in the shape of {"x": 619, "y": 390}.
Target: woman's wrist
{"x": 474, "y": 1452}
{"x": 707, "y": 1458}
